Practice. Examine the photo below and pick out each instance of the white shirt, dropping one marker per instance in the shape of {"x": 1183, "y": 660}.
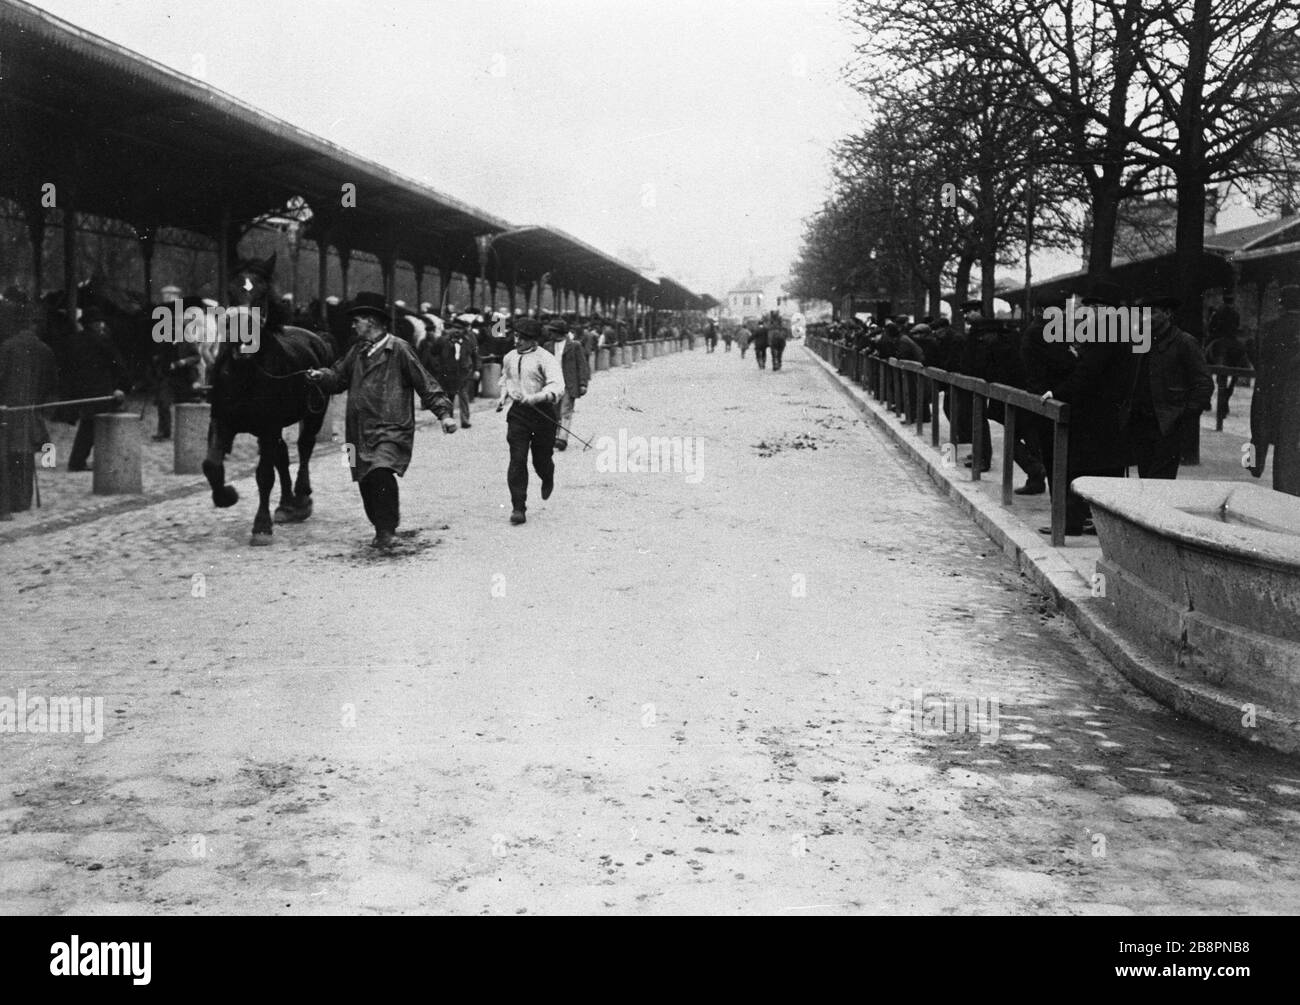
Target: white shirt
{"x": 533, "y": 372}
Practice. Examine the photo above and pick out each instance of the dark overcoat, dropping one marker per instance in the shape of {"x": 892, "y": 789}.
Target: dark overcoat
{"x": 28, "y": 376}
{"x": 380, "y": 420}
{"x": 1099, "y": 392}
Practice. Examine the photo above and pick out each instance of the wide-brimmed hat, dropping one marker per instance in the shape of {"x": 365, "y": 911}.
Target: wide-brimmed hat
{"x": 558, "y": 326}
{"x": 1163, "y": 301}
{"x": 971, "y": 305}
{"x": 1106, "y": 293}
{"x": 1289, "y": 298}
{"x": 372, "y": 304}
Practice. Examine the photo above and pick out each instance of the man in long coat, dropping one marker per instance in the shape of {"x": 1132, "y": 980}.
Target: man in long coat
{"x": 577, "y": 374}
{"x": 95, "y": 370}
{"x": 1173, "y": 387}
{"x": 379, "y": 373}
{"x": 1099, "y": 391}
{"x": 28, "y": 376}
{"x": 453, "y": 360}
{"x": 759, "y": 341}
{"x": 776, "y": 342}
{"x": 1275, "y": 407}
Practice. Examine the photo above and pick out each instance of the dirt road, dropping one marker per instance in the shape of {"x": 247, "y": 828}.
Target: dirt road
{"x": 720, "y": 688}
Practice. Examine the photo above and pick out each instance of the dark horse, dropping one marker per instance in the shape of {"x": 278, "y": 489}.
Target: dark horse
{"x": 262, "y": 392}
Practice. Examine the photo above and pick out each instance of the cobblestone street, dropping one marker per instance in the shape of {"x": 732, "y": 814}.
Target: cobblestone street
{"x": 707, "y": 690}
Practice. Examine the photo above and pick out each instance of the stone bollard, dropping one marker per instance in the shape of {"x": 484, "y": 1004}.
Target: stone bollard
{"x": 591, "y": 361}
{"x": 629, "y": 354}
{"x": 189, "y": 437}
{"x": 616, "y": 356}
{"x": 602, "y": 358}
{"x": 489, "y": 385}
{"x": 117, "y": 455}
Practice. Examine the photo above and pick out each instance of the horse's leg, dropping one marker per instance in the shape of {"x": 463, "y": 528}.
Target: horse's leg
{"x": 220, "y": 441}
{"x": 287, "y": 511}
{"x": 308, "y": 430}
{"x": 262, "y": 526}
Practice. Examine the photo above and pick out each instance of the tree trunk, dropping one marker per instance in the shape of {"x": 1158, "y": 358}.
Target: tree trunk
{"x": 1105, "y": 219}
{"x": 961, "y": 288}
{"x": 1188, "y": 251}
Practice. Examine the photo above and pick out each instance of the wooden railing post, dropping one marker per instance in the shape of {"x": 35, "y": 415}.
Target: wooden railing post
{"x": 1060, "y": 485}
{"x": 4, "y": 464}
{"x": 1008, "y": 452}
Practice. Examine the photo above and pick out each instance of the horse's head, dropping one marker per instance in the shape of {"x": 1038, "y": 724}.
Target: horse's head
{"x": 250, "y": 283}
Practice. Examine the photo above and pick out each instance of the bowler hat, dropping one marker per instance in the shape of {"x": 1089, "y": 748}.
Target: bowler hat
{"x": 372, "y": 304}
{"x": 557, "y": 327}
{"x": 1290, "y": 298}
{"x": 528, "y": 328}
{"x": 1106, "y": 293}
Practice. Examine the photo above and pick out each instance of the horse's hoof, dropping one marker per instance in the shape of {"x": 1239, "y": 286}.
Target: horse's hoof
{"x": 293, "y": 514}
{"x": 225, "y": 496}
{"x": 259, "y": 540}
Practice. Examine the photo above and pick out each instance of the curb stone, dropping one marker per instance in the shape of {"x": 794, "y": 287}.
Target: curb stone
{"x": 1044, "y": 566}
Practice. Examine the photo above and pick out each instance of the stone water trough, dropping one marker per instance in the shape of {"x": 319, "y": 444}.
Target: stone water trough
{"x": 1205, "y": 576}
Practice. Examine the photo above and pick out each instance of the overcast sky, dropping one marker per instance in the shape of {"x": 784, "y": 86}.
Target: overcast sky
{"x": 695, "y": 131}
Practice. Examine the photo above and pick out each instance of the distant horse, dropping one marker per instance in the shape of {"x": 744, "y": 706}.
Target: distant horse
{"x": 262, "y": 392}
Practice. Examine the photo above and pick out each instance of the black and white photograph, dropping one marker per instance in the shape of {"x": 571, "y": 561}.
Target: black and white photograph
{"x": 651, "y": 458}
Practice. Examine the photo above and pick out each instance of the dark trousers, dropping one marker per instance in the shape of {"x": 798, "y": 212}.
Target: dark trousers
{"x": 1226, "y": 386}
{"x": 84, "y": 442}
{"x": 527, "y": 432}
{"x": 760, "y": 354}
{"x": 22, "y": 469}
{"x": 1027, "y": 452}
{"x": 1157, "y": 456}
{"x": 458, "y": 391}
{"x": 1077, "y": 508}
{"x": 1286, "y": 469}
{"x": 957, "y": 406}
{"x": 777, "y": 352}
{"x": 380, "y": 498}
{"x": 164, "y": 399}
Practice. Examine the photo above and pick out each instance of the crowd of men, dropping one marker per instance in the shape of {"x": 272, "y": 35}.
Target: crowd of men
{"x": 45, "y": 356}
{"x": 1128, "y": 409}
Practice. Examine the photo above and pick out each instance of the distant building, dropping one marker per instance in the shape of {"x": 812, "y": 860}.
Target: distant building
{"x": 757, "y": 296}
